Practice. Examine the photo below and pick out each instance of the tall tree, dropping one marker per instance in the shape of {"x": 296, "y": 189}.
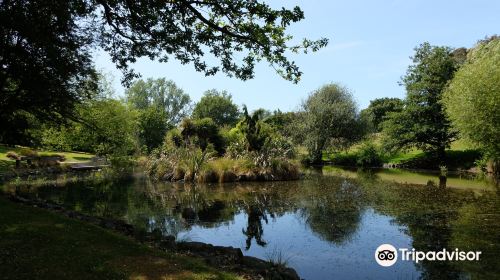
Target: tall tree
{"x": 328, "y": 117}
{"x": 423, "y": 123}
{"x": 45, "y": 59}
{"x": 46, "y": 46}
{"x": 107, "y": 127}
{"x": 219, "y": 106}
{"x": 282, "y": 122}
{"x": 378, "y": 110}
{"x": 162, "y": 94}
{"x": 161, "y": 106}
{"x": 473, "y": 97}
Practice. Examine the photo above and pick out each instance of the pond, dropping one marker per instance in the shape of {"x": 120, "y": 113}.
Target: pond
{"x": 326, "y": 226}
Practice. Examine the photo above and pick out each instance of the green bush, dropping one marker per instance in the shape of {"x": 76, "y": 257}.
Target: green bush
{"x": 344, "y": 159}
{"x": 368, "y": 156}
{"x": 12, "y": 155}
{"x": 24, "y": 151}
{"x": 200, "y": 151}
{"x": 202, "y": 132}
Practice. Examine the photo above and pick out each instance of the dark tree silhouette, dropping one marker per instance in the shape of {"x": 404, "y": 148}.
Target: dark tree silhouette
{"x": 46, "y": 45}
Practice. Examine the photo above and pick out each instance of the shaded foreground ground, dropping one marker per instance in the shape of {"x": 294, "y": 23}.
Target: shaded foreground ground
{"x": 38, "y": 244}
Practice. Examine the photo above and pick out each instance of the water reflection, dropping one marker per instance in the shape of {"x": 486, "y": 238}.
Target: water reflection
{"x": 254, "y": 226}
{"x": 328, "y": 225}
{"x": 335, "y": 215}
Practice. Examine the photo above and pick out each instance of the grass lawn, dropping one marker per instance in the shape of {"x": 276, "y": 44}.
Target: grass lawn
{"x": 401, "y": 157}
{"x": 461, "y": 154}
{"x": 71, "y": 157}
{"x": 37, "y": 244}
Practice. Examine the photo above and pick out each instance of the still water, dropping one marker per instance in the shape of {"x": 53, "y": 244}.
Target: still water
{"x": 326, "y": 226}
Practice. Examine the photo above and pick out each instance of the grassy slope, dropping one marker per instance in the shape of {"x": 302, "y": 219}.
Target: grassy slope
{"x": 37, "y": 244}
{"x": 71, "y": 157}
{"x": 458, "y": 145}
{"x": 457, "y": 148}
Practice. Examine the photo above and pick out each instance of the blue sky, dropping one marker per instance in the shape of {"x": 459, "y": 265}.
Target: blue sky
{"x": 369, "y": 49}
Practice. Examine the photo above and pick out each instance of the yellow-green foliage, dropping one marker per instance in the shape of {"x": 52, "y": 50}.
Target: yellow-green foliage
{"x": 24, "y": 151}
{"x": 173, "y": 168}
{"x": 473, "y": 96}
{"x": 227, "y": 170}
{"x": 12, "y": 155}
{"x": 189, "y": 154}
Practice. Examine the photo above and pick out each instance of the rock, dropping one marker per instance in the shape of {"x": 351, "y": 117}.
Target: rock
{"x": 255, "y": 263}
{"x": 194, "y": 246}
{"x": 233, "y": 254}
{"x": 167, "y": 242}
{"x": 289, "y": 273}
{"x": 269, "y": 271}
{"x": 188, "y": 214}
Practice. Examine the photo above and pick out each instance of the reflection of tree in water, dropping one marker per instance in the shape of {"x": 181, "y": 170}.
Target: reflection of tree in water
{"x": 99, "y": 197}
{"x": 478, "y": 229}
{"x": 335, "y": 215}
{"x": 257, "y": 205}
{"x": 435, "y": 217}
{"x": 428, "y": 212}
{"x": 254, "y": 226}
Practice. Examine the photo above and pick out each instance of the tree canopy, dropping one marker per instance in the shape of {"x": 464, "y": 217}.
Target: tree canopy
{"x": 423, "y": 122}
{"x": 378, "y": 110}
{"x": 46, "y": 46}
{"x": 45, "y": 58}
{"x": 328, "y": 117}
{"x": 473, "y": 97}
{"x": 187, "y": 30}
{"x": 161, "y": 105}
{"x": 108, "y": 127}
{"x": 105, "y": 126}
{"x": 162, "y": 94}
{"x": 219, "y": 106}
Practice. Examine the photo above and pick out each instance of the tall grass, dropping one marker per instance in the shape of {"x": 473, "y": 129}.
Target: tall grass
{"x": 199, "y": 168}
{"x": 277, "y": 257}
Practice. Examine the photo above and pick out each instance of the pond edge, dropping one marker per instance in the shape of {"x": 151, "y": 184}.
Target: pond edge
{"x": 218, "y": 256}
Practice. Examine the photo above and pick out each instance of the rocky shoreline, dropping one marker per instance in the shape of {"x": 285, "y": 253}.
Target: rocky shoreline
{"x": 228, "y": 258}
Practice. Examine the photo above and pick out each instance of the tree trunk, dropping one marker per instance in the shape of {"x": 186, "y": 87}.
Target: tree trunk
{"x": 493, "y": 167}
{"x": 316, "y": 155}
{"x": 441, "y": 155}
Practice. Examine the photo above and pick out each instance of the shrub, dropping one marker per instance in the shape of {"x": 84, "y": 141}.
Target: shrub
{"x": 58, "y": 157}
{"x": 344, "y": 159}
{"x": 28, "y": 152}
{"x": 237, "y": 149}
{"x": 368, "y": 156}
{"x": 284, "y": 169}
{"x": 200, "y": 132}
{"x": 13, "y": 155}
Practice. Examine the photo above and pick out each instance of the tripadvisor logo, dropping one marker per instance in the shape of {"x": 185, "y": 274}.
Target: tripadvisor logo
{"x": 387, "y": 255}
